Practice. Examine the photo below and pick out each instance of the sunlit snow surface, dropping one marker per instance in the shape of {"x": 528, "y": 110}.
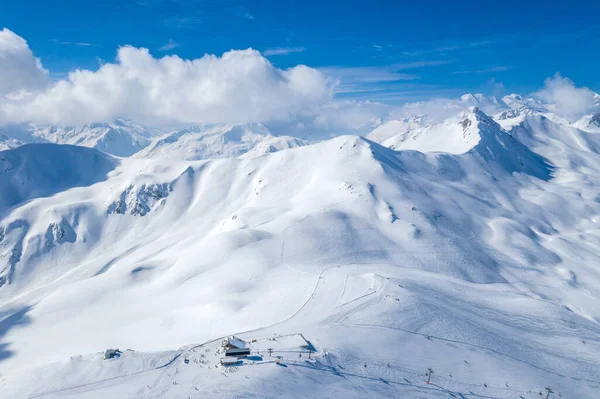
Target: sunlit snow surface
{"x": 476, "y": 257}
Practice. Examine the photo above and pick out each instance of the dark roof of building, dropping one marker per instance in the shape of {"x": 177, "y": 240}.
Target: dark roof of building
{"x": 237, "y": 351}
{"x": 235, "y": 342}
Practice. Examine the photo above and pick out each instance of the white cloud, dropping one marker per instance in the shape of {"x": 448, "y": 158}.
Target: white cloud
{"x": 450, "y": 48}
{"x": 497, "y": 88}
{"x": 282, "y": 51}
{"x": 240, "y": 86}
{"x": 183, "y": 22}
{"x": 350, "y": 76}
{"x": 19, "y": 69}
{"x": 359, "y": 117}
{"x": 170, "y": 45}
{"x": 484, "y": 70}
{"x": 80, "y": 44}
{"x": 561, "y": 96}
{"x": 355, "y": 78}
{"x": 387, "y": 83}
{"x": 435, "y": 110}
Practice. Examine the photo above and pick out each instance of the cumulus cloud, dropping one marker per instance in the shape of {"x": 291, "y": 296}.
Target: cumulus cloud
{"x": 19, "y": 69}
{"x": 240, "y": 86}
{"x": 562, "y": 97}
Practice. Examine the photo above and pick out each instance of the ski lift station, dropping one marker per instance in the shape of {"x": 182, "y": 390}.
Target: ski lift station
{"x": 236, "y": 347}
{"x": 235, "y": 342}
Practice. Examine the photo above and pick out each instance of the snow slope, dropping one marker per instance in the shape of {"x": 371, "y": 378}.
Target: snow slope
{"x": 41, "y": 170}
{"x": 476, "y": 257}
{"x": 395, "y": 127}
{"x": 274, "y": 144}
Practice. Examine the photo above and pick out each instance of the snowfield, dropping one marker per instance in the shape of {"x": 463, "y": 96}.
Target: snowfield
{"x": 459, "y": 246}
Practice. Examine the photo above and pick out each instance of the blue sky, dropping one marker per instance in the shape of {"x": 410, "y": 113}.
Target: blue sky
{"x": 390, "y": 51}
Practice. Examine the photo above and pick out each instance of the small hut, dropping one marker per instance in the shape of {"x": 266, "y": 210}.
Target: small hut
{"x": 229, "y": 361}
{"x": 110, "y": 353}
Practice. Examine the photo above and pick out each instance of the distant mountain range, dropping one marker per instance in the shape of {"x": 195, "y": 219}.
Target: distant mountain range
{"x": 125, "y": 138}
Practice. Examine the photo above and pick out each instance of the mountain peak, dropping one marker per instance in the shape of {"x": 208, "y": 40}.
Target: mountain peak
{"x": 455, "y": 135}
{"x": 468, "y": 97}
{"x": 471, "y": 131}
{"x": 490, "y": 103}
{"x": 513, "y": 96}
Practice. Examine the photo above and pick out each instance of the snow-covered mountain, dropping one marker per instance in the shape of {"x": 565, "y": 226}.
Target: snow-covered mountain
{"x": 126, "y": 138}
{"x": 590, "y": 123}
{"x": 120, "y": 138}
{"x": 39, "y": 170}
{"x": 509, "y": 111}
{"x": 471, "y": 132}
{"x": 392, "y": 128}
{"x": 466, "y": 248}
{"x": 221, "y": 141}
{"x": 13, "y": 136}
{"x": 274, "y": 144}
{"x": 490, "y": 103}
{"x": 455, "y": 135}
{"x": 516, "y": 101}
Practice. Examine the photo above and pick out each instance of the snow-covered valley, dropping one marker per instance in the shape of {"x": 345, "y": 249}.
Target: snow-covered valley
{"x": 459, "y": 246}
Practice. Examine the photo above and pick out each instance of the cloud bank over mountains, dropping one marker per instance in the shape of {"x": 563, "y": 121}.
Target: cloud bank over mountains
{"x": 241, "y": 86}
